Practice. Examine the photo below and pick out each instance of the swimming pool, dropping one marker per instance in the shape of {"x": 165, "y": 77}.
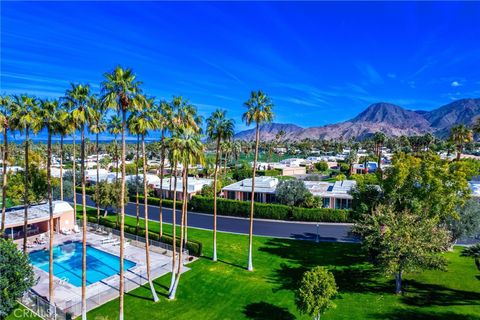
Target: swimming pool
{"x": 67, "y": 263}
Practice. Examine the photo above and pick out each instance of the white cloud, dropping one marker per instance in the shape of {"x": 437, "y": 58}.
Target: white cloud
{"x": 392, "y": 75}
{"x": 455, "y": 84}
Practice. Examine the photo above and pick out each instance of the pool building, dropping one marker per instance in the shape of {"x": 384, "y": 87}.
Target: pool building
{"x": 38, "y": 219}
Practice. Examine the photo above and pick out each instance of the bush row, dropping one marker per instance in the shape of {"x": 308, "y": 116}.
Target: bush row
{"x": 88, "y": 190}
{"x": 268, "y": 210}
{"x": 156, "y": 201}
{"x": 194, "y": 247}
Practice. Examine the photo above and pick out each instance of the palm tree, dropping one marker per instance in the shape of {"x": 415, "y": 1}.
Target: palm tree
{"x": 476, "y": 126}
{"x": 97, "y": 126}
{"x": 24, "y": 119}
{"x": 80, "y": 99}
{"x": 47, "y": 114}
{"x": 5, "y": 113}
{"x": 190, "y": 151}
{"x": 122, "y": 92}
{"x": 164, "y": 115}
{"x": 64, "y": 126}
{"x": 460, "y": 135}
{"x": 133, "y": 124}
{"x": 259, "y": 110}
{"x": 115, "y": 127}
{"x": 219, "y": 129}
{"x": 379, "y": 139}
{"x": 146, "y": 119}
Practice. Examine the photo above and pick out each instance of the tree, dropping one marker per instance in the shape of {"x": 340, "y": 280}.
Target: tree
{"x": 379, "y": 139}
{"x": 317, "y": 288}
{"x": 78, "y": 97}
{"x": 474, "y": 252}
{"x": 64, "y": 126}
{"x": 291, "y": 192}
{"x": 244, "y": 171}
{"x": 97, "y": 126}
{"x": 402, "y": 241}
{"x": 24, "y": 119}
{"x": 122, "y": 92}
{"x": 16, "y": 276}
{"x": 321, "y": 166}
{"x": 114, "y": 127}
{"x": 467, "y": 224}
{"x": 426, "y": 184}
{"x": 259, "y": 111}
{"x": 164, "y": 115}
{"x": 219, "y": 129}
{"x": 108, "y": 196}
{"x": 460, "y": 135}
{"x": 144, "y": 120}
{"x": 47, "y": 113}
{"x": 5, "y": 112}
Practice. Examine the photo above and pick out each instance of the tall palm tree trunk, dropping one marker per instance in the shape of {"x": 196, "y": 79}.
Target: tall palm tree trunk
{"x": 74, "y": 170}
{"x": 174, "y": 226}
{"x": 173, "y": 290}
{"x": 162, "y": 167}
{"x": 84, "y": 229}
{"x": 25, "y": 195}
{"x": 184, "y": 206}
{"x": 145, "y": 208}
{"x": 252, "y": 202}
{"x": 215, "y": 177}
{"x": 137, "y": 204}
{"x": 122, "y": 216}
{"x": 98, "y": 178}
{"x": 4, "y": 179}
{"x": 61, "y": 167}
{"x": 50, "y": 222}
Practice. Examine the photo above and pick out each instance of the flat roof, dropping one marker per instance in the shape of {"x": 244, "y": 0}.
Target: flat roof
{"x": 38, "y": 213}
{"x": 475, "y": 187}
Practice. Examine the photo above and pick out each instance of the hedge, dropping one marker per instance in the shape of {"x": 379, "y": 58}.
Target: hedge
{"x": 88, "y": 190}
{"x": 156, "y": 201}
{"x": 320, "y": 215}
{"x": 194, "y": 247}
{"x": 268, "y": 210}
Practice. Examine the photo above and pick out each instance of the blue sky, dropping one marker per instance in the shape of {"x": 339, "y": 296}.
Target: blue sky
{"x": 320, "y": 62}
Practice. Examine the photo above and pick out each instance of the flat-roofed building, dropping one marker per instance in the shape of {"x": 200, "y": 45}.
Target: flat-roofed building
{"x": 334, "y": 195}
{"x": 265, "y": 188}
{"x": 194, "y": 186}
{"x": 475, "y": 188}
{"x": 38, "y": 219}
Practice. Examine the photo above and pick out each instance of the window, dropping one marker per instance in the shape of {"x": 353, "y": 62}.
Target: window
{"x": 326, "y": 202}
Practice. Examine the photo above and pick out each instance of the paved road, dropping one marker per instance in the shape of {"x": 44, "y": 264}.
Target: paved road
{"x": 327, "y": 232}
{"x": 295, "y": 230}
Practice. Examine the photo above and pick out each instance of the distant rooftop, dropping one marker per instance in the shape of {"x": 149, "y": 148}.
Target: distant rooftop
{"x": 36, "y": 213}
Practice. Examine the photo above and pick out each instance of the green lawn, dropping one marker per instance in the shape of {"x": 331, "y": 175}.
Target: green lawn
{"x": 225, "y": 290}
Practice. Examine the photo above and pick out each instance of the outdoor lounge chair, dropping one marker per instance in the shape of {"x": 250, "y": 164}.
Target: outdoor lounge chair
{"x": 76, "y": 229}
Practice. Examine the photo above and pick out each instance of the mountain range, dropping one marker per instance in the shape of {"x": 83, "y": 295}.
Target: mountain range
{"x": 388, "y": 118}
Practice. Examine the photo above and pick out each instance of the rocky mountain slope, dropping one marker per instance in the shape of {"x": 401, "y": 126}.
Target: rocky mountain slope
{"x": 388, "y": 118}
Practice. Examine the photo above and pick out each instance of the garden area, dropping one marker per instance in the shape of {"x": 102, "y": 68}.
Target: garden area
{"x": 225, "y": 290}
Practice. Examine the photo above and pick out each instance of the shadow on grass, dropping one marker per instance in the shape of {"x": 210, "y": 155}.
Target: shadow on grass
{"x": 265, "y": 311}
{"x": 418, "y": 314}
{"x": 424, "y": 295}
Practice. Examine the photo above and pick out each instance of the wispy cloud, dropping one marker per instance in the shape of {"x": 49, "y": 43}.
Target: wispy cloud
{"x": 455, "y": 84}
{"x": 369, "y": 71}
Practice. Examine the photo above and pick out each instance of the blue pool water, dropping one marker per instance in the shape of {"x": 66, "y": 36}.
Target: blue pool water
{"x": 67, "y": 263}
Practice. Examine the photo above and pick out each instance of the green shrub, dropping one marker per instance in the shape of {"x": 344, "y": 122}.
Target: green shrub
{"x": 320, "y": 215}
{"x": 156, "y": 201}
{"x": 269, "y": 173}
{"x": 268, "y": 210}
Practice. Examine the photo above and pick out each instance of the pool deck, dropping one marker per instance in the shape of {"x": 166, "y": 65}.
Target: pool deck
{"x": 68, "y": 296}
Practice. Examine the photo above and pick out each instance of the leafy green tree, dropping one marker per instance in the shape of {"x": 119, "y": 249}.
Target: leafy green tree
{"x": 108, "y": 196}
{"x": 402, "y": 241}
{"x": 365, "y": 198}
{"x": 321, "y": 166}
{"x": 467, "y": 224}
{"x": 16, "y": 276}
{"x": 244, "y": 171}
{"x": 340, "y": 177}
{"x": 291, "y": 192}
{"x": 426, "y": 185}
{"x": 317, "y": 288}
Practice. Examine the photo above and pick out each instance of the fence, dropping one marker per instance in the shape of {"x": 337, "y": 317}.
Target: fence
{"x": 101, "y": 292}
{"x": 42, "y": 307}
